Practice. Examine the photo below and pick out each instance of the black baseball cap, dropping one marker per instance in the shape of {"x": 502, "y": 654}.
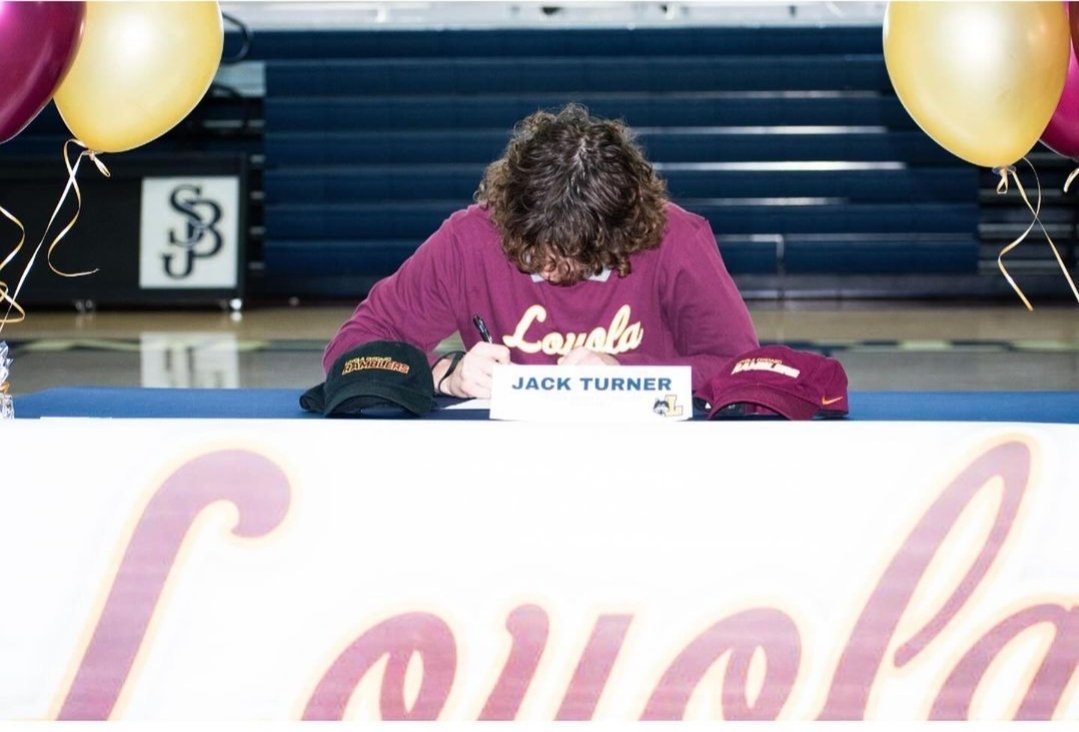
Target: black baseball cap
{"x": 365, "y": 380}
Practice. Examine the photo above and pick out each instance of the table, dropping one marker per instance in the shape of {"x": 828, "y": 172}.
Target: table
{"x": 222, "y": 555}
{"x": 1033, "y": 407}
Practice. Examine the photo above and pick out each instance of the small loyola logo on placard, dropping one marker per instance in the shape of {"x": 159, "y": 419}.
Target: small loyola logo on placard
{"x": 668, "y": 406}
{"x": 189, "y": 233}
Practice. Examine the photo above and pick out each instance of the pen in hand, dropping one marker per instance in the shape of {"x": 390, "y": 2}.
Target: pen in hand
{"x": 482, "y": 328}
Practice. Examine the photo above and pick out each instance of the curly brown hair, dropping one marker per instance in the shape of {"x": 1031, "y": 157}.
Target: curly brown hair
{"x": 573, "y": 194}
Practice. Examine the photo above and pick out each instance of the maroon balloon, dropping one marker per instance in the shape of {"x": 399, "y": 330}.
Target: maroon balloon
{"x": 38, "y": 41}
{"x": 1062, "y": 133}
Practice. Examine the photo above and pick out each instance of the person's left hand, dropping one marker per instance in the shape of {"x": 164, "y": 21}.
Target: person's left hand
{"x": 587, "y": 357}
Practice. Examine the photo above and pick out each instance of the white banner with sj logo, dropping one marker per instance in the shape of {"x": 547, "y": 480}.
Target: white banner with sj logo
{"x": 189, "y": 233}
{"x": 367, "y": 569}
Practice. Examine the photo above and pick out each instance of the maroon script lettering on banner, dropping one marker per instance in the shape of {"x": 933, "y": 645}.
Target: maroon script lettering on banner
{"x": 397, "y": 638}
{"x": 862, "y": 658}
{"x": 594, "y": 668}
{"x": 260, "y": 492}
{"x": 1049, "y": 682}
{"x": 740, "y": 635}
{"x": 528, "y": 626}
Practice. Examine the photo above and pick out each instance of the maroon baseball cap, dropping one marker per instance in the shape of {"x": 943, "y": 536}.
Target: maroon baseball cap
{"x": 793, "y": 384}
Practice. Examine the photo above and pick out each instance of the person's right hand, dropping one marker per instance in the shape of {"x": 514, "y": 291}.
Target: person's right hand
{"x": 473, "y": 375}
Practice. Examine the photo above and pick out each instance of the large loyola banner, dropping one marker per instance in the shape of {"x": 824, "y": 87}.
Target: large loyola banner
{"x": 260, "y": 570}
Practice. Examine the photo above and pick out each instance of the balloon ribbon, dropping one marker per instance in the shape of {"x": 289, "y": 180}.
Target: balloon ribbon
{"x": 72, "y": 171}
{"x": 1071, "y": 177}
{"x": 4, "y": 296}
{"x": 1002, "y": 187}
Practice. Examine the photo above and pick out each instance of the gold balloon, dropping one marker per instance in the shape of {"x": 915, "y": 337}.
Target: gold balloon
{"x": 981, "y": 78}
{"x": 140, "y": 69}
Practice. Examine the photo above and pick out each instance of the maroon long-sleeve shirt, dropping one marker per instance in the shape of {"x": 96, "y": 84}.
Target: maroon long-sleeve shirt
{"x": 677, "y": 306}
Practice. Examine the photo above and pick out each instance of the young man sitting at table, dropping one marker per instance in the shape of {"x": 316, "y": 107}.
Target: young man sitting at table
{"x": 572, "y": 254}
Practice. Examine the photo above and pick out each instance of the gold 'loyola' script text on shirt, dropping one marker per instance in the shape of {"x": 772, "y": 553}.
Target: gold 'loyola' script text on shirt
{"x": 620, "y": 337}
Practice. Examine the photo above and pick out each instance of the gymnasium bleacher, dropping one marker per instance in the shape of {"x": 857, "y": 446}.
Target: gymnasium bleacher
{"x": 788, "y": 139}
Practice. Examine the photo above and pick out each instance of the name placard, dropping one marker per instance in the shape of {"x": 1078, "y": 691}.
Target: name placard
{"x": 591, "y": 393}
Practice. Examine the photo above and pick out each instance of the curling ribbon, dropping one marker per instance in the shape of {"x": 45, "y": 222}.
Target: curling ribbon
{"x": 1002, "y": 187}
{"x": 3, "y": 285}
{"x": 1071, "y": 177}
{"x": 72, "y": 171}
